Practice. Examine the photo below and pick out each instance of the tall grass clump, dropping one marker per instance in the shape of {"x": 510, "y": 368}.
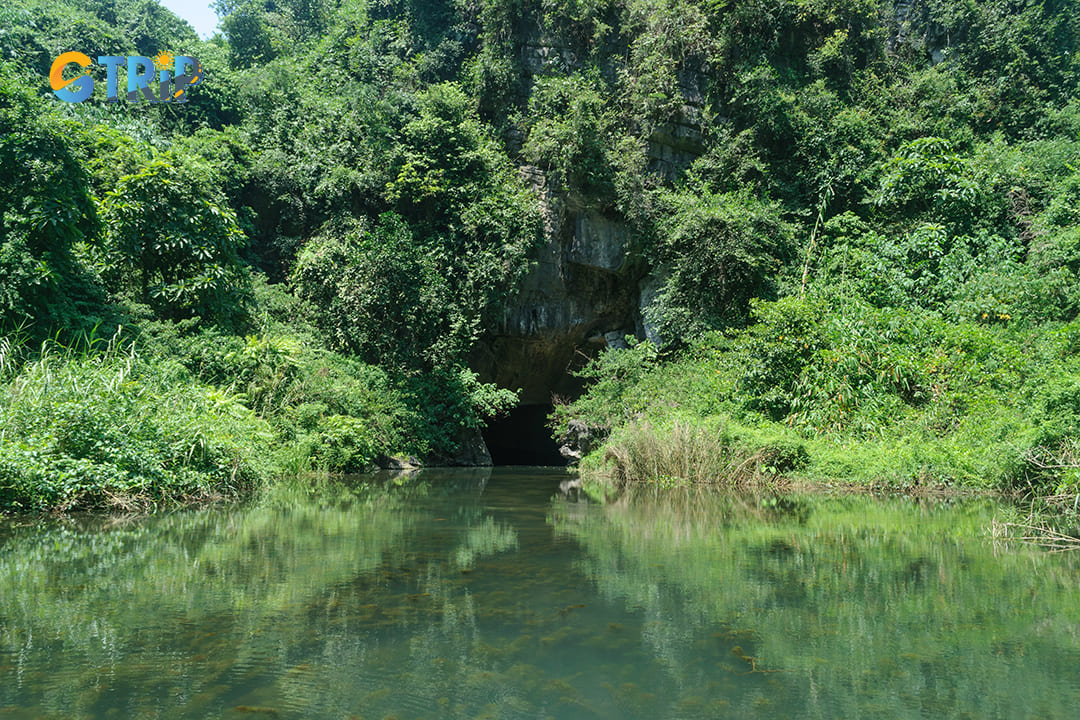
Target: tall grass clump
{"x": 96, "y": 426}
{"x": 679, "y": 452}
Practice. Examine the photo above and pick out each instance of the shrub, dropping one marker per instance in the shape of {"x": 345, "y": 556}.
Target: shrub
{"x": 719, "y": 251}
{"x": 85, "y": 429}
{"x": 571, "y": 131}
{"x": 377, "y": 293}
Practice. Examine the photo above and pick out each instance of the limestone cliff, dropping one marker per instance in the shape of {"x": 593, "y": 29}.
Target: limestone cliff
{"x": 588, "y": 288}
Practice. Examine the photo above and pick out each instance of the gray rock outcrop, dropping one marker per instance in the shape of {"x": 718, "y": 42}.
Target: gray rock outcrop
{"x": 588, "y": 289}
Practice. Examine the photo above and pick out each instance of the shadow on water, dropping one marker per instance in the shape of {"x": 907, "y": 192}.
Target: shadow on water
{"x": 485, "y": 593}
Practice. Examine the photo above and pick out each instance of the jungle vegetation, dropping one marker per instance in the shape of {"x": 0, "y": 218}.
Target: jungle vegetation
{"x": 867, "y": 272}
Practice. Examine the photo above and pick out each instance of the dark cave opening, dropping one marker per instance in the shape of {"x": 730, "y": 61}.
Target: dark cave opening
{"x": 522, "y": 437}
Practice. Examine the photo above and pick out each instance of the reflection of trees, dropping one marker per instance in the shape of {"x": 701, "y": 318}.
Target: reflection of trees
{"x": 149, "y": 601}
{"x": 863, "y": 603}
{"x": 484, "y": 539}
{"x": 457, "y": 600}
{"x": 321, "y": 600}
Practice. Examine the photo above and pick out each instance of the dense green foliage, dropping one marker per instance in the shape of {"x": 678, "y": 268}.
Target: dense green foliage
{"x": 173, "y": 241}
{"x": 47, "y": 209}
{"x": 870, "y": 258}
{"x": 86, "y": 430}
{"x": 859, "y": 393}
{"x": 860, "y": 218}
{"x": 162, "y": 219}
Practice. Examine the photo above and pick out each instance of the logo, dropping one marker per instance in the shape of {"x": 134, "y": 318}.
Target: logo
{"x": 164, "y": 79}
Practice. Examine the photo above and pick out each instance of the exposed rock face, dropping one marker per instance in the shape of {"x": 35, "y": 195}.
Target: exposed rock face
{"x": 648, "y": 288}
{"x": 472, "y": 451}
{"x": 541, "y": 53}
{"x": 577, "y": 441}
{"x": 912, "y": 28}
{"x": 672, "y": 147}
{"x": 598, "y": 242}
{"x": 582, "y": 288}
{"x": 399, "y": 462}
{"x": 586, "y": 291}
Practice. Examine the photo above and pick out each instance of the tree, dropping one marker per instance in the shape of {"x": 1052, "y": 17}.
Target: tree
{"x": 172, "y": 239}
{"x": 718, "y": 251}
{"x": 380, "y": 295}
{"x": 465, "y": 203}
{"x": 46, "y": 208}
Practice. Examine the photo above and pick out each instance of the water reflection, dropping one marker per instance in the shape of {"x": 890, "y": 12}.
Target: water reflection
{"x": 897, "y": 608}
{"x": 469, "y": 595}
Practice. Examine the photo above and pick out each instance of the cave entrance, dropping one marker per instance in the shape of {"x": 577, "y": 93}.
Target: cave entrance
{"x": 522, "y": 437}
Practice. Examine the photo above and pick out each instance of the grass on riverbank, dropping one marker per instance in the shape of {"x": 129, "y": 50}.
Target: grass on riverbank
{"x": 186, "y": 412}
{"x": 97, "y": 427}
{"x": 676, "y": 452}
{"x": 842, "y": 392}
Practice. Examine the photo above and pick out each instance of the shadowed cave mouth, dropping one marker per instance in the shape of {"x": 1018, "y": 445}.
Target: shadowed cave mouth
{"x": 522, "y": 437}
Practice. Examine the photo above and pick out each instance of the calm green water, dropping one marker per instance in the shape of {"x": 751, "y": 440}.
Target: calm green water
{"x": 478, "y": 595}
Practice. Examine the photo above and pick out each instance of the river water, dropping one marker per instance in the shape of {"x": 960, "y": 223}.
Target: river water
{"x": 484, "y": 594}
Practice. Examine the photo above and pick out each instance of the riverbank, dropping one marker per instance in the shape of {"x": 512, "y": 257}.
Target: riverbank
{"x": 160, "y": 414}
{"x": 839, "y": 391}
